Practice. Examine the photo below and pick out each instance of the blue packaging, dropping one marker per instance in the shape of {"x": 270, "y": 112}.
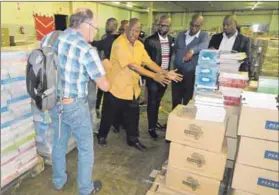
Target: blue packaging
{"x": 208, "y": 56}
{"x": 206, "y": 81}
{"x": 207, "y": 70}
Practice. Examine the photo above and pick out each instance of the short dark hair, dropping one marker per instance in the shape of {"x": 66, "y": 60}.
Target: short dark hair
{"x": 232, "y": 18}
{"x": 165, "y": 17}
{"x": 111, "y": 20}
{"x": 133, "y": 21}
{"x": 80, "y": 17}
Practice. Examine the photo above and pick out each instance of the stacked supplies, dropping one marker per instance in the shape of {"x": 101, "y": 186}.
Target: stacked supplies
{"x": 230, "y": 62}
{"x": 257, "y": 163}
{"x": 271, "y": 59}
{"x": 44, "y": 133}
{"x": 268, "y": 85}
{"x": 210, "y": 106}
{"x": 18, "y": 149}
{"x": 207, "y": 71}
{"x": 231, "y": 86}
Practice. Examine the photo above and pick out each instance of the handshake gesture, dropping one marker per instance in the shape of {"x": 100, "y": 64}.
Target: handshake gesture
{"x": 165, "y": 77}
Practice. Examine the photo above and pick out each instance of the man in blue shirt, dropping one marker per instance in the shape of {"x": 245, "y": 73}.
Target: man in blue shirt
{"x": 188, "y": 44}
{"x": 77, "y": 61}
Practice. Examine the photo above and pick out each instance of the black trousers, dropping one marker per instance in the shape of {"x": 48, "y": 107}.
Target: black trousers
{"x": 155, "y": 94}
{"x": 182, "y": 92}
{"x": 100, "y": 94}
{"x": 129, "y": 109}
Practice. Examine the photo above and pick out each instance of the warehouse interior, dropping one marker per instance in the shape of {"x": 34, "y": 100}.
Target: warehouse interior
{"x": 250, "y": 130}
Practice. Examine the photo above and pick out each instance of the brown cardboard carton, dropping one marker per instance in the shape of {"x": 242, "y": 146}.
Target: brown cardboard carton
{"x": 259, "y": 153}
{"x": 232, "y": 125}
{"x": 184, "y": 180}
{"x": 185, "y": 129}
{"x": 159, "y": 188}
{"x": 255, "y": 180}
{"x": 232, "y": 147}
{"x": 259, "y": 123}
{"x": 202, "y": 162}
{"x": 240, "y": 192}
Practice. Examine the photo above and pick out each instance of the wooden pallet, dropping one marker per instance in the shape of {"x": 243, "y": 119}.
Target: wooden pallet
{"x": 33, "y": 172}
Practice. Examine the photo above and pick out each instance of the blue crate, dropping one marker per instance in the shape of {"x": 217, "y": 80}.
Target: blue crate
{"x": 208, "y": 56}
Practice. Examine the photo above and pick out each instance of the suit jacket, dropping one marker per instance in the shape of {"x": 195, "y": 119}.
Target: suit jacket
{"x": 153, "y": 47}
{"x": 180, "y": 49}
{"x": 241, "y": 44}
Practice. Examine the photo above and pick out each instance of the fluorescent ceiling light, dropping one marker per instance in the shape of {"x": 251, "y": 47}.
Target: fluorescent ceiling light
{"x": 255, "y": 5}
{"x": 116, "y": 2}
{"x": 129, "y": 5}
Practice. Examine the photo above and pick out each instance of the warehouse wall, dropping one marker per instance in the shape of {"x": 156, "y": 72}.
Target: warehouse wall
{"x": 13, "y": 18}
{"x": 16, "y": 14}
{"x": 213, "y": 20}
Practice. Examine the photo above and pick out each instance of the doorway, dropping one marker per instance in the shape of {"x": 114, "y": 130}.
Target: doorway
{"x": 60, "y": 21}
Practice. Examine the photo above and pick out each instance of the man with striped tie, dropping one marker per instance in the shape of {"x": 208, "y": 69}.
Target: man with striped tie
{"x": 159, "y": 48}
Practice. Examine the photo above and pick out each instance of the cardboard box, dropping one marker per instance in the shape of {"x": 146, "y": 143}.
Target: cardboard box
{"x": 255, "y": 180}
{"x": 159, "y": 188}
{"x": 184, "y": 180}
{"x": 240, "y": 192}
{"x": 232, "y": 147}
{"x": 183, "y": 128}
{"x": 202, "y": 162}
{"x": 232, "y": 126}
{"x": 259, "y": 123}
{"x": 259, "y": 153}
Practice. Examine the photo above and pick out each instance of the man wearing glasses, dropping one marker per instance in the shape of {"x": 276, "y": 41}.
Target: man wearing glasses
{"x": 159, "y": 47}
{"x": 188, "y": 44}
{"x": 78, "y": 62}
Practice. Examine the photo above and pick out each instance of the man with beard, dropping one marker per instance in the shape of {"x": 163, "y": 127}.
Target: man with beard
{"x": 231, "y": 39}
{"x": 127, "y": 56}
{"x": 188, "y": 45}
{"x": 159, "y": 48}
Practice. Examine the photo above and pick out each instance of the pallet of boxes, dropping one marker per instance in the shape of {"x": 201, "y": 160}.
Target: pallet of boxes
{"x": 257, "y": 163}
{"x": 198, "y": 150}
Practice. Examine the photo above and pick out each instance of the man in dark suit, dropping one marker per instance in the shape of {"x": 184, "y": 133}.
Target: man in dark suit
{"x": 231, "y": 39}
{"x": 159, "y": 48}
{"x": 188, "y": 44}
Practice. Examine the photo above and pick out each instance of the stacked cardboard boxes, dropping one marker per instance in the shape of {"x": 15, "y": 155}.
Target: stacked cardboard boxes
{"x": 198, "y": 153}
{"x": 257, "y": 163}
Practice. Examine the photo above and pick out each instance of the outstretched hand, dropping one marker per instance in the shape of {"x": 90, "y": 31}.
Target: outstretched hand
{"x": 172, "y": 75}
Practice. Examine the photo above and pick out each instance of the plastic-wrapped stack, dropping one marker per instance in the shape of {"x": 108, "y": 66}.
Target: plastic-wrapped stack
{"x": 207, "y": 71}
{"x": 18, "y": 148}
{"x": 271, "y": 59}
{"x": 44, "y": 133}
{"x": 231, "y": 85}
{"x": 268, "y": 85}
{"x": 230, "y": 62}
{"x": 210, "y": 106}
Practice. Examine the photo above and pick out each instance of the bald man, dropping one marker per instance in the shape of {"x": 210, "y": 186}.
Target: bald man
{"x": 188, "y": 44}
{"x": 231, "y": 39}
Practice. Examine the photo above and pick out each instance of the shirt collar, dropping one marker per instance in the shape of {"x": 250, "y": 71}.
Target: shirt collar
{"x": 196, "y": 35}
{"x": 235, "y": 35}
{"x": 162, "y": 38}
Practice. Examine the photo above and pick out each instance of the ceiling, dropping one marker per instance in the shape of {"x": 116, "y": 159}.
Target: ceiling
{"x": 199, "y": 6}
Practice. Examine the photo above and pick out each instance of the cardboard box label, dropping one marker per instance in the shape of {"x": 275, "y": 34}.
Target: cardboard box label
{"x": 192, "y": 183}
{"x": 272, "y": 125}
{"x": 268, "y": 183}
{"x": 271, "y": 155}
{"x": 194, "y": 131}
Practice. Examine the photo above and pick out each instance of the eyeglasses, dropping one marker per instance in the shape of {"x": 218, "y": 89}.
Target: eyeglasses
{"x": 164, "y": 25}
{"x": 92, "y": 26}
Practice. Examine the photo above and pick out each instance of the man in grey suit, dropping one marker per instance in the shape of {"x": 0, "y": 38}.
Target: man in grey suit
{"x": 188, "y": 44}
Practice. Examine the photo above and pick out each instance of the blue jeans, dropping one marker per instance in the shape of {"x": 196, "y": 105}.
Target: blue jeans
{"x": 76, "y": 118}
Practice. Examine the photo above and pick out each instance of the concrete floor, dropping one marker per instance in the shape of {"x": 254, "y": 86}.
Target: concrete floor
{"x": 121, "y": 168}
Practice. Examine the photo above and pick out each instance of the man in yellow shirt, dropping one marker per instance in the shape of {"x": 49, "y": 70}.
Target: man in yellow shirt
{"x": 127, "y": 56}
